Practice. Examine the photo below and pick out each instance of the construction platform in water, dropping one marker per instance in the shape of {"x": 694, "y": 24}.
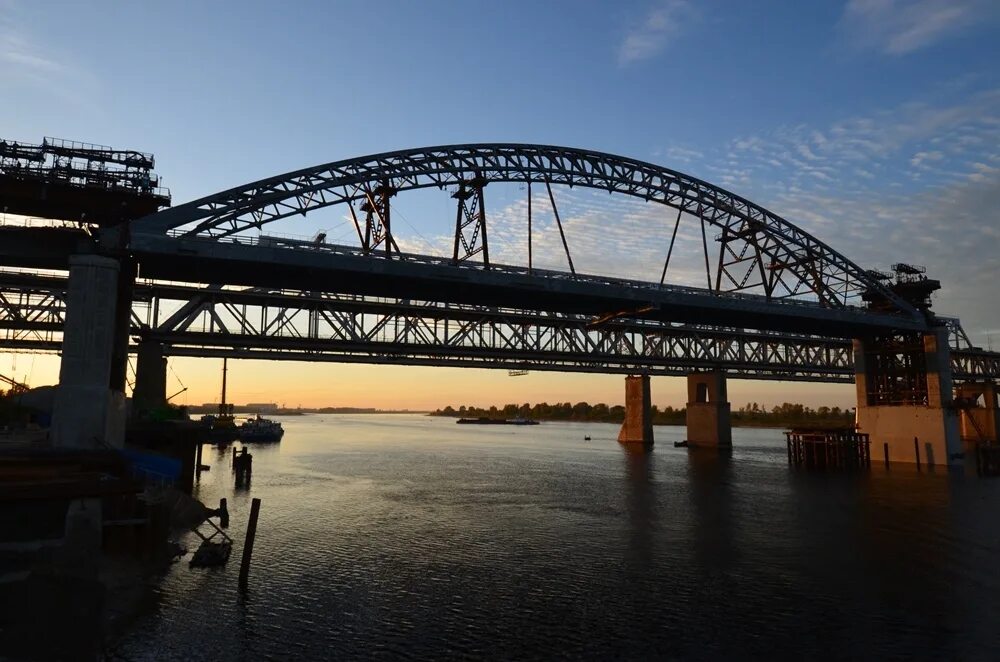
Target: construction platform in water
{"x": 828, "y": 449}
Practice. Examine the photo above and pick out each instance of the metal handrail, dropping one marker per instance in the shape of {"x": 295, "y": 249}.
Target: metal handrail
{"x": 284, "y": 243}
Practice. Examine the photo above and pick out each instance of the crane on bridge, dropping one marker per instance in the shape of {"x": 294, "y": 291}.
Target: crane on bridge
{"x": 13, "y": 386}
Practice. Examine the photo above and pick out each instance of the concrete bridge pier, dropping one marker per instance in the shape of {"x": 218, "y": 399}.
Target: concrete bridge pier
{"x": 150, "y": 379}
{"x": 638, "y": 425}
{"x": 86, "y": 412}
{"x": 708, "y": 421}
{"x": 905, "y": 397}
{"x": 979, "y": 422}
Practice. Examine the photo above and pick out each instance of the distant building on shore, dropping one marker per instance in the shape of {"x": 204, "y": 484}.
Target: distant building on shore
{"x": 250, "y": 407}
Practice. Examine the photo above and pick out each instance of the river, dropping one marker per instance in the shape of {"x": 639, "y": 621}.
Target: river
{"x": 406, "y": 536}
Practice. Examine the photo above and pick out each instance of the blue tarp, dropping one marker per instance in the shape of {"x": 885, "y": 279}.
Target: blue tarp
{"x": 153, "y": 467}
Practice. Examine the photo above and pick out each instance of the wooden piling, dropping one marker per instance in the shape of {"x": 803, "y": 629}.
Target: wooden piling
{"x": 243, "y": 468}
{"x": 885, "y": 451}
{"x": 248, "y": 543}
{"x": 916, "y": 451}
{"x": 223, "y": 513}
{"x": 828, "y": 449}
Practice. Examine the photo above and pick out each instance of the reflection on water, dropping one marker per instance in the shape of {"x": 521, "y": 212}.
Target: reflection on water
{"x": 410, "y": 536}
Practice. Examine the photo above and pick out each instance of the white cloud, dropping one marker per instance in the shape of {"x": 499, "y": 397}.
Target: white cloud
{"x": 916, "y": 183}
{"x": 651, "y": 36}
{"x": 898, "y": 27}
{"x": 920, "y": 158}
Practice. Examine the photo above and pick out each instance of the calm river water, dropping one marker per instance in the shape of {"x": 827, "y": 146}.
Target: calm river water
{"x": 405, "y": 536}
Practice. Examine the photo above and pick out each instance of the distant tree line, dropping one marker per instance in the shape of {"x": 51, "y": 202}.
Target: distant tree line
{"x": 749, "y": 415}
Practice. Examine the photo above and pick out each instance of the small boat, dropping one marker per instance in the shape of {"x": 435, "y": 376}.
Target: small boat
{"x": 485, "y": 420}
{"x": 681, "y": 444}
{"x": 260, "y": 429}
{"x": 220, "y": 428}
{"x": 586, "y": 437}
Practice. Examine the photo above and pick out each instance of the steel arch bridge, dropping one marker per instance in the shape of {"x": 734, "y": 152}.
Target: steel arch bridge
{"x": 758, "y": 251}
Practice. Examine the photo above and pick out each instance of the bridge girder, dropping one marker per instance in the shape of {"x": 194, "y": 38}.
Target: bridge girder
{"x": 758, "y": 249}
{"x": 254, "y": 323}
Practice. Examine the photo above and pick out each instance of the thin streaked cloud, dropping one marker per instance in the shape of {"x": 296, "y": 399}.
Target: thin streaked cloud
{"x": 899, "y": 27}
{"x": 26, "y": 61}
{"x": 651, "y": 35}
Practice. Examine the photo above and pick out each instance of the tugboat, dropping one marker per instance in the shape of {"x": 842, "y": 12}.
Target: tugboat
{"x": 260, "y": 429}
{"x": 221, "y": 426}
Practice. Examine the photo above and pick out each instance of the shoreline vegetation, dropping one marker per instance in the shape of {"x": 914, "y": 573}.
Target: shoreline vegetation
{"x": 298, "y": 411}
{"x": 749, "y": 415}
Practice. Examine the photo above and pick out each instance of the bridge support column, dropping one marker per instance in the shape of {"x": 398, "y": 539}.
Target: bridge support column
{"x": 708, "y": 422}
{"x": 123, "y": 319}
{"x": 86, "y": 412}
{"x": 150, "y": 379}
{"x": 978, "y": 422}
{"x": 638, "y": 425}
{"x": 904, "y": 392}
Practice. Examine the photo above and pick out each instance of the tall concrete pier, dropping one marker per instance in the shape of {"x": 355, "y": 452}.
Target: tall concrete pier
{"x": 905, "y": 397}
{"x": 979, "y": 419}
{"x": 638, "y": 425}
{"x": 150, "y": 379}
{"x": 708, "y": 420}
{"x": 87, "y": 413}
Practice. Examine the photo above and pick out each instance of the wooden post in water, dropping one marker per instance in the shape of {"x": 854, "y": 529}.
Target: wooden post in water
{"x": 885, "y": 451}
{"x": 916, "y": 451}
{"x": 248, "y": 543}
{"x": 233, "y": 465}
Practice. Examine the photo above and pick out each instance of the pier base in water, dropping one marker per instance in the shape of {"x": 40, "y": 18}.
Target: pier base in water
{"x": 638, "y": 425}
{"x": 708, "y": 422}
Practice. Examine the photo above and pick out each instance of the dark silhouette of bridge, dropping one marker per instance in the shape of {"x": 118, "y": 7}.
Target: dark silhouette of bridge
{"x": 777, "y": 303}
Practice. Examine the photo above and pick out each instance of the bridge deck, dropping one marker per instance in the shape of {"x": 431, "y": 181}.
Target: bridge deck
{"x": 342, "y": 269}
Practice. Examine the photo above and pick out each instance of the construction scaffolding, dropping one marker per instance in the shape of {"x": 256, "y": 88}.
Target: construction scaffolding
{"x": 896, "y": 369}
{"x": 908, "y": 281}
{"x": 77, "y": 181}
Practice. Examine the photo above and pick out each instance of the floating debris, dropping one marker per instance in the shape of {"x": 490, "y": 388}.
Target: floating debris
{"x": 211, "y": 554}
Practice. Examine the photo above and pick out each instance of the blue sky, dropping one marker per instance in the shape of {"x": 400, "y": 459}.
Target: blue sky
{"x": 874, "y": 124}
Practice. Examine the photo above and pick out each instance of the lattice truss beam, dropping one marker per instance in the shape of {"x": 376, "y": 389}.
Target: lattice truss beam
{"x": 756, "y": 249}
{"x": 218, "y": 321}
{"x": 327, "y": 327}
{"x": 31, "y": 315}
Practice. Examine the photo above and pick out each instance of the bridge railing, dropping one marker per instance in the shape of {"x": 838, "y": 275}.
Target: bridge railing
{"x": 304, "y": 245}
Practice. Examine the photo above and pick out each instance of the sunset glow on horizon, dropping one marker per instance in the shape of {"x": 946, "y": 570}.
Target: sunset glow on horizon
{"x": 313, "y": 385}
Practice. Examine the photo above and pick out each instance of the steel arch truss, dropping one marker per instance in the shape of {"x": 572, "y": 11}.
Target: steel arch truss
{"x": 757, "y": 248}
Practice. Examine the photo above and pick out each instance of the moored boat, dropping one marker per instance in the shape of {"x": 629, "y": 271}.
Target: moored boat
{"x": 260, "y": 429}
{"x": 485, "y": 420}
